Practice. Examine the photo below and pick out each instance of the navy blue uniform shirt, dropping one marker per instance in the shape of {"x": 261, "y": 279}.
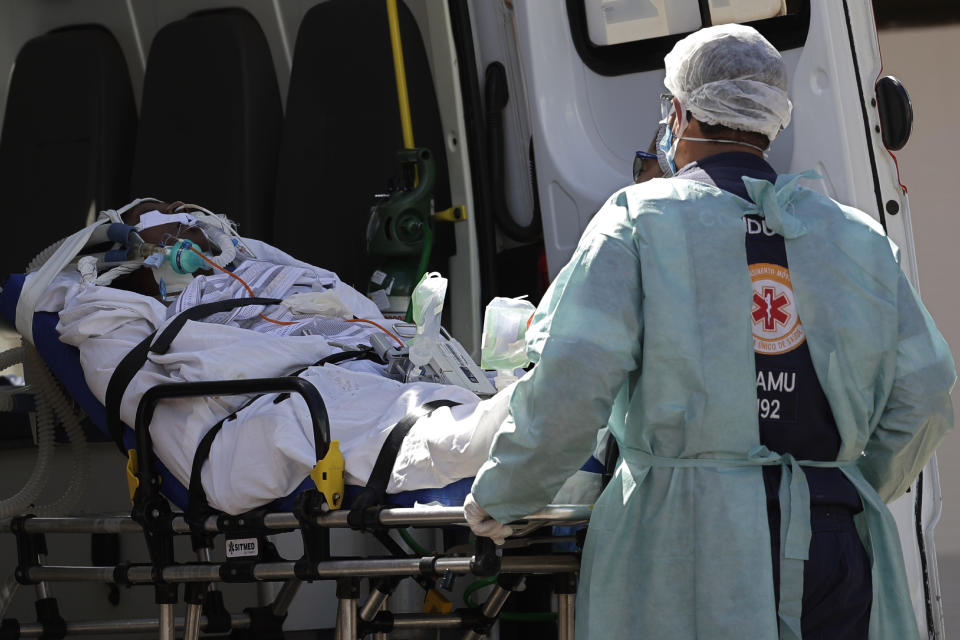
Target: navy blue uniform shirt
{"x": 793, "y": 411}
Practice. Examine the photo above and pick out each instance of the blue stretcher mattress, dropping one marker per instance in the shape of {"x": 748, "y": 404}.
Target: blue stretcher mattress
{"x": 64, "y": 362}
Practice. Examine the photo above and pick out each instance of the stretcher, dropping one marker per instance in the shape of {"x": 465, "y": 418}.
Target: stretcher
{"x": 313, "y": 510}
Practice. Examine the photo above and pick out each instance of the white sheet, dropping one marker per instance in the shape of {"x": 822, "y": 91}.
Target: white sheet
{"x": 267, "y": 451}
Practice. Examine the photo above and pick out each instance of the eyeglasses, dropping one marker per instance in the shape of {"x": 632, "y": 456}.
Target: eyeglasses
{"x": 638, "y": 162}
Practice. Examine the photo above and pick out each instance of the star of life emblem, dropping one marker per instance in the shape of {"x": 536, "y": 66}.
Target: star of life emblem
{"x": 776, "y": 324}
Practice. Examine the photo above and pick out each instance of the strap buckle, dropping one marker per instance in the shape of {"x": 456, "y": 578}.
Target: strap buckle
{"x": 327, "y": 475}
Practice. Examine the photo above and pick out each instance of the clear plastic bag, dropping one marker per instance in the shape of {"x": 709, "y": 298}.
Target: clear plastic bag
{"x": 504, "y": 336}
{"x": 427, "y": 301}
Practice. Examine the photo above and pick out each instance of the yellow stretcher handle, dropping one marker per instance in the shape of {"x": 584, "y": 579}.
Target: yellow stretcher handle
{"x": 132, "y": 480}
{"x": 327, "y": 475}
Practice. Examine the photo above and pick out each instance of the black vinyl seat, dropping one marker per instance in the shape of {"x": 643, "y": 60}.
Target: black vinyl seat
{"x": 210, "y": 118}
{"x": 67, "y": 139}
{"x": 342, "y": 132}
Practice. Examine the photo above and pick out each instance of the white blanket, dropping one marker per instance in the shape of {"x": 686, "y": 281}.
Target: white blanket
{"x": 268, "y": 449}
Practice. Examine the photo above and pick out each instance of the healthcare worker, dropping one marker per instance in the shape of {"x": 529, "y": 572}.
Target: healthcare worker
{"x": 770, "y": 376}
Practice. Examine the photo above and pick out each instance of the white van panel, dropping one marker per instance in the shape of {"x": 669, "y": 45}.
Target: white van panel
{"x": 495, "y": 39}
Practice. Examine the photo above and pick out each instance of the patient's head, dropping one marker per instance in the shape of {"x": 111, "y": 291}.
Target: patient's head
{"x": 142, "y": 280}
{"x": 167, "y": 233}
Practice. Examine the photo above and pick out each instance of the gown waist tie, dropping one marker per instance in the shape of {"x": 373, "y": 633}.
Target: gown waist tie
{"x": 795, "y": 532}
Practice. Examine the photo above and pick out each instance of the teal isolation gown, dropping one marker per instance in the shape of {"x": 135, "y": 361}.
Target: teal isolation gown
{"x": 647, "y": 330}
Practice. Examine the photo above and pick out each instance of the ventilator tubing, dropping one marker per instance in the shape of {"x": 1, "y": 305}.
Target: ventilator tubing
{"x": 228, "y": 251}
{"x": 50, "y": 405}
{"x": 9, "y": 358}
{"x": 49, "y": 401}
{"x": 43, "y": 256}
{"x": 8, "y": 589}
{"x": 49, "y": 392}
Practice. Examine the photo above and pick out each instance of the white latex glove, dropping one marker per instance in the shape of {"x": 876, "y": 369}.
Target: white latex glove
{"x": 482, "y": 524}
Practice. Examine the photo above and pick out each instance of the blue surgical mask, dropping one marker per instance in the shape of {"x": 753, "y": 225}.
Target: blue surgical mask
{"x": 667, "y": 141}
{"x": 666, "y": 150}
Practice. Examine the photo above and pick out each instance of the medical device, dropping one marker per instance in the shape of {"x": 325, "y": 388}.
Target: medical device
{"x": 449, "y": 364}
{"x": 399, "y": 233}
{"x": 173, "y": 260}
{"x": 428, "y": 352}
{"x": 110, "y": 228}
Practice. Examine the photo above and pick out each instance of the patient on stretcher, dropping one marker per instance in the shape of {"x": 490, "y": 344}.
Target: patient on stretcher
{"x": 267, "y": 450}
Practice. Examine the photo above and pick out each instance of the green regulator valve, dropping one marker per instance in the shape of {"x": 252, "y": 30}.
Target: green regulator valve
{"x": 399, "y": 225}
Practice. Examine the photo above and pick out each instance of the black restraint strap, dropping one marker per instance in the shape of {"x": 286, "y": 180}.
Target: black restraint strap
{"x": 136, "y": 357}
{"x": 376, "y": 488}
{"x": 197, "y": 505}
{"x": 342, "y": 356}
{"x": 163, "y": 341}
{"x": 122, "y": 375}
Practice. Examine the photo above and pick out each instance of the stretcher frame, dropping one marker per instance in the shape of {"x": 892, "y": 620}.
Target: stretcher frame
{"x": 353, "y": 620}
{"x": 312, "y": 517}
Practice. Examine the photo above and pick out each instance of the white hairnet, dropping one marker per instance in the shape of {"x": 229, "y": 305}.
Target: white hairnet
{"x": 730, "y": 75}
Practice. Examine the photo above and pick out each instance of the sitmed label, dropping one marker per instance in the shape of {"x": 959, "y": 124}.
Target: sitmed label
{"x": 242, "y": 548}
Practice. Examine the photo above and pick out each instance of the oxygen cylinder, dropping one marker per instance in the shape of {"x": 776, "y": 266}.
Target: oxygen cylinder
{"x": 399, "y": 235}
